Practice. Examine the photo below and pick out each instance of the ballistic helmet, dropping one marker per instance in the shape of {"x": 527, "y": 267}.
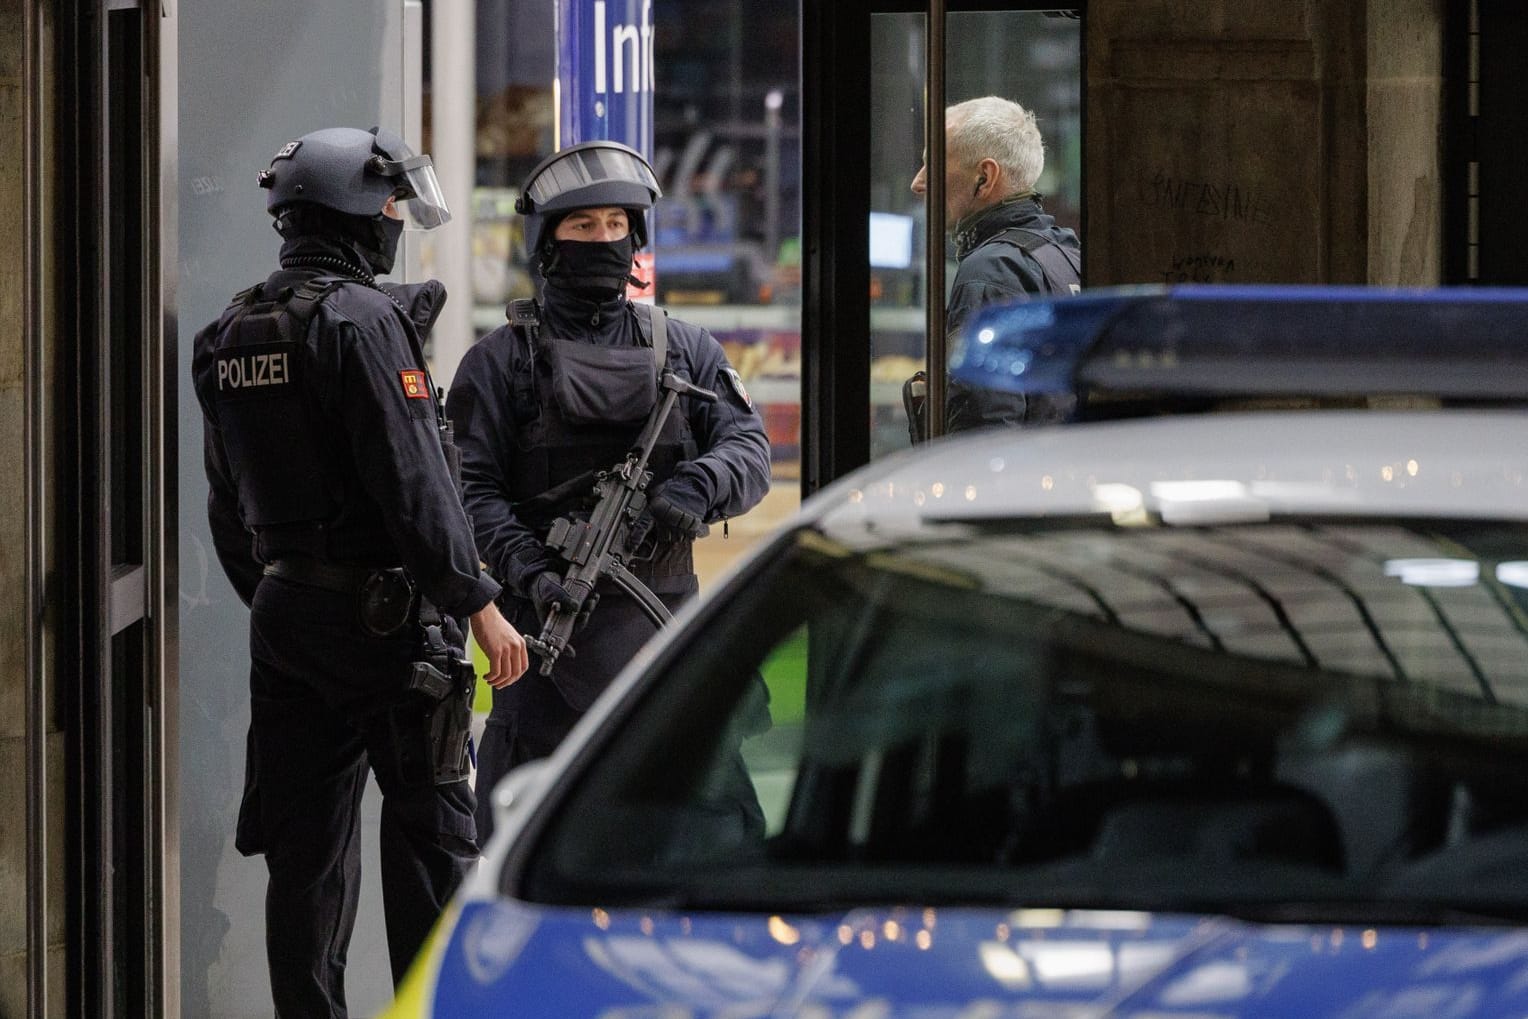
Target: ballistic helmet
{"x": 589, "y": 175}
{"x": 355, "y": 172}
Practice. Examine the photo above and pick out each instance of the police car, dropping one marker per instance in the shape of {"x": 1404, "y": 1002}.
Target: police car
{"x": 1219, "y": 713}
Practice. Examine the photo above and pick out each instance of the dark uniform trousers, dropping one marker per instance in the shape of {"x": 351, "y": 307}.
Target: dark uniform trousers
{"x": 531, "y": 716}
{"x": 318, "y": 684}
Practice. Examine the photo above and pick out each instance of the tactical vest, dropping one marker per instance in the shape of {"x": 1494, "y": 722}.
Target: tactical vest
{"x": 578, "y": 408}
{"x": 291, "y": 475}
{"x": 267, "y": 415}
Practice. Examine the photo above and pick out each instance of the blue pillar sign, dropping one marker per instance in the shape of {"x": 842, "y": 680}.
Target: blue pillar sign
{"x": 605, "y": 83}
{"x": 605, "y": 72}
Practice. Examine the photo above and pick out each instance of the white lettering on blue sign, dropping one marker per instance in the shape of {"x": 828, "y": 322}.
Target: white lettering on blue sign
{"x": 633, "y": 48}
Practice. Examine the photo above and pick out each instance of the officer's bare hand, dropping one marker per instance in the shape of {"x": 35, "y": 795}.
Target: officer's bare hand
{"x": 502, "y": 643}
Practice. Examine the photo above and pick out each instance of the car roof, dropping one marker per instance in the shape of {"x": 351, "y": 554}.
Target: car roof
{"x": 1201, "y": 468}
{"x": 1463, "y": 343}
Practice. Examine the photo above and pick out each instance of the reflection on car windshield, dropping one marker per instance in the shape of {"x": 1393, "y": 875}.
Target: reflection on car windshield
{"x": 1073, "y": 712}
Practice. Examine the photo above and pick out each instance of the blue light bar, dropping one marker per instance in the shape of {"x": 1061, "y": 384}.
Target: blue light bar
{"x": 1456, "y": 343}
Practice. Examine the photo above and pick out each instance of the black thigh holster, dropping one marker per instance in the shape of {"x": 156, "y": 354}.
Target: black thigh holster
{"x": 430, "y": 724}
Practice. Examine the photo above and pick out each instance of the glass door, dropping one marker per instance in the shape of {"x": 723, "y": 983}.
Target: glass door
{"x": 869, "y": 266}
{"x": 1030, "y": 57}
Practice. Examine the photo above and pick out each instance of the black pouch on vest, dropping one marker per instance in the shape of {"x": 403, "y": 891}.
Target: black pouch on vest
{"x": 602, "y": 385}
{"x": 386, "y": 602}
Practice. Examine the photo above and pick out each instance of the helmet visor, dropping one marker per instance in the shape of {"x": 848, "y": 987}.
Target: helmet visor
{"x": 581, "y": 168}
{"x": 416, "y": 189}
{"x": 420, "y": 198}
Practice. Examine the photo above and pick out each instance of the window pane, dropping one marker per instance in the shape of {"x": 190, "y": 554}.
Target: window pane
{"x": 1030, "y": 57}
{"x": 727, "y": 144}
{"x": 339, "y": 63}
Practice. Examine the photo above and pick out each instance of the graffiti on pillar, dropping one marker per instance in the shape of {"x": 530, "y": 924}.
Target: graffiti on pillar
{"x": 1206, "y": 268}
{"x": 1225, "y": 200}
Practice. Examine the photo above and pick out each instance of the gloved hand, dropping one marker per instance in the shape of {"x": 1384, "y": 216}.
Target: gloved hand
{"x": 679, "y": 505}
{"x": 546, "y": 590}
{"x": 421, "y": 302}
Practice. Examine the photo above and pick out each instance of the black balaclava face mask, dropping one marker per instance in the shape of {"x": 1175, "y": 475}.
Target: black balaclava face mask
{"x": 373, "y": 239}
{"x": 381, "y": 249}
{"x": 593, "y": 270}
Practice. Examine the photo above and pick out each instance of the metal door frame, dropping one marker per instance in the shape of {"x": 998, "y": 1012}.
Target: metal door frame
{"x": 102, "y": 481}
{"x": 1485, "y": 140}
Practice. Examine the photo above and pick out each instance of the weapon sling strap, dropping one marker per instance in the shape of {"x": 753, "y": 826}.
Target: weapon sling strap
{"x": 657, "y": 321}
{"x": 1061, "y": 268}
{"x": 524, "y": 322}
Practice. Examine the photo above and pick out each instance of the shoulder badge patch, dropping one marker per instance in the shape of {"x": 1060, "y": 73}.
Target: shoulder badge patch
{"x": 414, "y": 385}
{"x": 736, "y": 382}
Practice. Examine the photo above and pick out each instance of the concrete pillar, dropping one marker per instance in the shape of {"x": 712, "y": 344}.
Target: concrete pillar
{"x": 453, "y": 146}
{"x": 13, "y": 652}
{"x": 1405, "y": 115}
{"x": 13, "y": 658}
{"x": 1290, "y": 141}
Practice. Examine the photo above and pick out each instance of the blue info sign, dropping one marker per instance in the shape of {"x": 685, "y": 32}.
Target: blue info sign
{"x": 605, "y": 72}
{"x": 605, "y": 87}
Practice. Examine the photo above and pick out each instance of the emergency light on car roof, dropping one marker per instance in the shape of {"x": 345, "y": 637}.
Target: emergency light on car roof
{"x": 1255, "y": 341}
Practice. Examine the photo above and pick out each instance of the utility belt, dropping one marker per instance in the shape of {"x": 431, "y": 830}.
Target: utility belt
{"x": 430, "y": 720}
{"x": 385, "y": 596}
{"x": 345, "y": 578}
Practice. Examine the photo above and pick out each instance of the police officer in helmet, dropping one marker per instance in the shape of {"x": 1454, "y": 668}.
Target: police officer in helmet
{"x": 336, "y": 518}
{"x": 561, "y": 391}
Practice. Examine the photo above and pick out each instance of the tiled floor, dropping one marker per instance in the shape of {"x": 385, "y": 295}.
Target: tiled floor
{"x": 715, "y": 553}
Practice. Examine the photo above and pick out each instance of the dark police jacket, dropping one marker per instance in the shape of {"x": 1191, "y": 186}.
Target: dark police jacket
{"x": 325, "y": 444}
{"x": 995, "y": 268}
{"x": 515, "y": 443}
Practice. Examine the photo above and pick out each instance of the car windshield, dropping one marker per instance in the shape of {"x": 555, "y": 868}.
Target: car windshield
{"x": 1307, "y": 717}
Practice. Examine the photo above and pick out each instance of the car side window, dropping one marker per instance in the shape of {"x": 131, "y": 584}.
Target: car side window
{"x": 827, "y": 716}
{"x": 772, "y": 755}
{"x": 1074, "y": 706}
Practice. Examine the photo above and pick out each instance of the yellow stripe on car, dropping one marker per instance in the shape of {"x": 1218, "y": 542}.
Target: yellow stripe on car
{"x": 417, "y": 992}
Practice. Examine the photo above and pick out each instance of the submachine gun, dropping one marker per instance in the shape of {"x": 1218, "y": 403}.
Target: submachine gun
{"x": 597, "y": 547}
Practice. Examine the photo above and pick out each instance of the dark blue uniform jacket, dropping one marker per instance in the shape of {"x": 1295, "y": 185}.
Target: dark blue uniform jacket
{"x": 346, "y": 400}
